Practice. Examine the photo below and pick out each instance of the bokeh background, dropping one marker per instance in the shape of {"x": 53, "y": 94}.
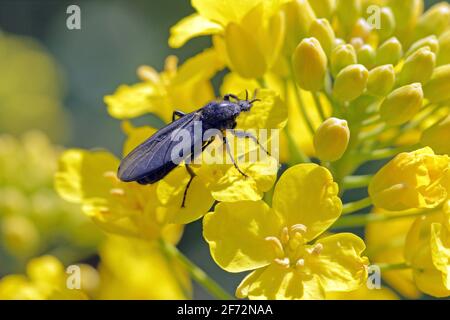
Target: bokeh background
{"x": 53, "y": 80}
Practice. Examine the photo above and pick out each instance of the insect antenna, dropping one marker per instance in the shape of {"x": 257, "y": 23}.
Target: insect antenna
{"x": 246, "y": 94}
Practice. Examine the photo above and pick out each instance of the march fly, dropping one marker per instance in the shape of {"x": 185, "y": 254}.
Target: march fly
{"x": 152, "y": 160}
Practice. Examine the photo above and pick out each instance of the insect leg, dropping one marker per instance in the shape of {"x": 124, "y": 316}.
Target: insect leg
{"x": 230, "y": 95}
{"x": 225, "y": 141}
{"x": 248, "y": 135}
{"x": 192, "y": 173}
{"x": 178, "y": 114}
{"x": 192, "y": 176}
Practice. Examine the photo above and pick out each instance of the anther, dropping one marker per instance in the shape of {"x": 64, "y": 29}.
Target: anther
{"x": 117, "y": 192}
{"x": 317, "y": 249}
{"x": 284, "y": 235}
{"x": 300, "y": 263}
{"x": 300, "y": 228}
{"x": 277, "y": 245}
{"x": 283, "y": 262}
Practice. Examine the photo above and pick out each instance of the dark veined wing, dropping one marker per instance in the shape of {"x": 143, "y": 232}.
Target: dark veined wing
{"x": 151, "y": 160}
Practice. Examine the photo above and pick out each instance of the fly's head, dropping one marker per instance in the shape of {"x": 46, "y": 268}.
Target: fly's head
{"x": 244, "y": 105}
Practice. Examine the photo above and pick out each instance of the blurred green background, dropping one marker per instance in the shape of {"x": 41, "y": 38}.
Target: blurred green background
{"x": 115, "y": 38}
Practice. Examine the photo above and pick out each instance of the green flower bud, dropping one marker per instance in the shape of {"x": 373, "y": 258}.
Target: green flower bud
{"x": 402, "y": 104}
{"x": 437, "y": 88}
{"x": 381, "y": 80}
{"x": 387, "y": 23}
{"x": 342, "y": 56}
{"x": 418, "y": 67}
{"x": 348, "y": 12}
{"x": 434, "y": 21}
{"x": 432, "y": 42}
{"x": 350, "y": 82}
{"x": 361, "y": 29}
{"x": 366, "y": 56}
{"x": 310, "y": 64}
{"x": 323, "y": 8}
{"x": 298, "y": 18}
{"x": 438, "y": 136}
{"x": 322, "y": 31}
{"x": 443, "y": 56}
{"x": 389, "y": 52}
{"x": 331, "y": 139}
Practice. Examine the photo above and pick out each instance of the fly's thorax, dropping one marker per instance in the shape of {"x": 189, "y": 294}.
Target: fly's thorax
{"x": 220, "y": 115}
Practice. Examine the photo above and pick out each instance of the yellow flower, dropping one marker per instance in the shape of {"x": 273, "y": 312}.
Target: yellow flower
{"x": 45, "y": 279}
{"x": 437, "y": 136}
{"x": 251, "y": 36}
{"x": 186, "y": 88}
{"x": 133, "y": 269}
{"x": 276, "y": 241}
{"x": 411, "y": 180}
{"x": 427, "y": 250}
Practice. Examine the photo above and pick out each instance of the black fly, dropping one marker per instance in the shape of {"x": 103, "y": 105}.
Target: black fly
{"x": 151, "y": 161}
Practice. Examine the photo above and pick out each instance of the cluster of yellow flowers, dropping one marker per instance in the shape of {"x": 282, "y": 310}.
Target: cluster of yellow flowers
{"x": 349, "y": 82}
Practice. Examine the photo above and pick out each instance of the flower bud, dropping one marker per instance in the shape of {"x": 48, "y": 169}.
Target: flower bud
{"x": 323, "y": 8}
{"x": 438, "y": 136}
{"x": 402, "y": 104}
{"x": 387, "y": 23}
{"x": 298, "y": 18}
{"x": 418, "y": 67}
{"x": 350, "y": 82}
{"x": 331, "y": 139}
{"x": 410, "y": 180}
{"x": 437, "y": 88}
{"x": 342, "y": 56}
{"x": 361, "y": 29}
{"x": 322, "y": 31}
{"x": 19, "y": 235}
{"x": 431, "y": 42}
{"x": 443, "y": 56}
{"x": 366, "y": 56}
{"x": 348, "y": 12}
{"x": 389, "y": 52}
{"x": 381, "y": 80}
{"x": 310, "y": 64}
{"x": 434, "y": 21}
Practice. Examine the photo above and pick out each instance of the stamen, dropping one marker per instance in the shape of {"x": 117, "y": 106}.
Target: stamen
{"x": 117, "y": 192}
{"x": 147, "y": 73}
{"x": 283, "y": 262}
{"x": 317, "y": 249}
{"x": 284, "y": 235}
{"x": 300, "y": 228}
{"x": 300, "y": 263}
{"x": 277, "y": 245}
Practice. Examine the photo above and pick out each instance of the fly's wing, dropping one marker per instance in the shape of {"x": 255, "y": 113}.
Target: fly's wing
{"x": 151, "y": 160}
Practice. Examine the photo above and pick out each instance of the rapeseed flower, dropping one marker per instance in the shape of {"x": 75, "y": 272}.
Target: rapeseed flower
{"x": 277, "y": 242}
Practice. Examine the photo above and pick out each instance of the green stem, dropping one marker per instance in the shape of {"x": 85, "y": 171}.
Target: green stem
{"x": 196, "y": 273}
{"x": 353, "y": 182}
{"x": 301, "y": 104}
{"x": 356, "y": 205}
{"x": 319, "y": 105}
{"x": 392, "y": 266}
{"x": 298, "y": 156}
{"x": 361, "y": 219}
{"x": 389, "y": 152}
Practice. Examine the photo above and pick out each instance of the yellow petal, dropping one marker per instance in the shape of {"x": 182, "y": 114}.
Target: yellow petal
{"x": 236, "y": 234}
{"x": 135, "y": 100}
{"x": 440, "y": 248}
{"x": 170, "y": 193}
{"x": 81, "y": 174}
{"x": 306, "y": 194}
{"x": 364, "y": 293}
{"x": 340, "y": 266}
{"x": 275, "y": 282}
{"x": 244, "y": 52}
{"x": 190, "y": 27}
{"x": 223, "y": 11}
